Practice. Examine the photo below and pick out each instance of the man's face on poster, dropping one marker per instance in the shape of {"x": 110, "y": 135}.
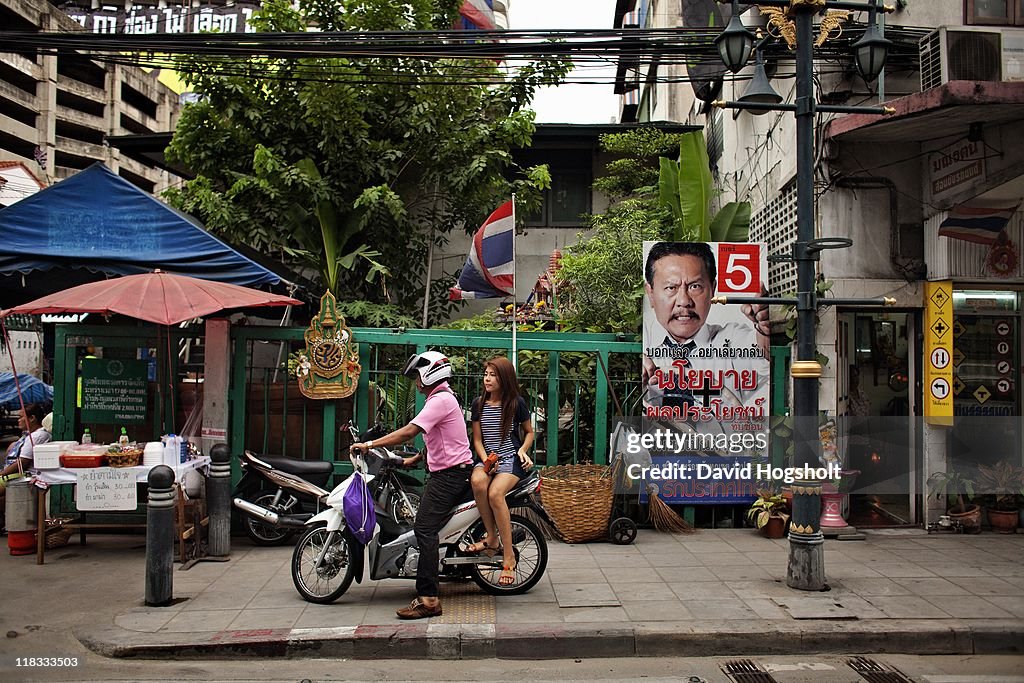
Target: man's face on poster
{"x": 680, "y": 294}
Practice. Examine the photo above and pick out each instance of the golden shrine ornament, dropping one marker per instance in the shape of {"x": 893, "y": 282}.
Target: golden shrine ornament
{"x": 329, "y": 365}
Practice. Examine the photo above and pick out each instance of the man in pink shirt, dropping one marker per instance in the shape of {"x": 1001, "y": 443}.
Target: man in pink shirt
{"x": 449, "y": 461}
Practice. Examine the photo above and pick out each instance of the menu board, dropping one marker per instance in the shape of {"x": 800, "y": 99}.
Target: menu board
{"x": 114, "y": 391}
{"x": 107, "y": 488}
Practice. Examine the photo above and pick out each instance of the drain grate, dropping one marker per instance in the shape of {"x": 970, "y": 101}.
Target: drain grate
{"x": 874, "y": 672}
{"x": 745, "y": 671}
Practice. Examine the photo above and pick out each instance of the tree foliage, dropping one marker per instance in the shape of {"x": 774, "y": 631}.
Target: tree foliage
{"x": 601, "y": 276}
{"x": 685, "y": 187}
{"x": 349, "y": 167}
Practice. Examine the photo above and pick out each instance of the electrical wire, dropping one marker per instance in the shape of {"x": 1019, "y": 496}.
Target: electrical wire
{"x": 313, "y": 51}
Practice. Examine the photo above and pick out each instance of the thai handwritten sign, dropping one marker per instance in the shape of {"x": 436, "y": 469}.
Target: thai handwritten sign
{"x": 114, "y": 391}
{"x": 148, "y": 20}
{"x": 107, "y": 488}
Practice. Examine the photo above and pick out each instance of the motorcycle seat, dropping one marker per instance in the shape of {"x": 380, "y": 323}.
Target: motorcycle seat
{"x": 296, "y": 466}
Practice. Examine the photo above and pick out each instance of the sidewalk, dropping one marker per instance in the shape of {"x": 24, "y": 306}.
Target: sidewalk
{"x": 715, "y": 592}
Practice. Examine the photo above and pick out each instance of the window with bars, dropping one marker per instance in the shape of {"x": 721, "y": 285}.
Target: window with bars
{"x": 775, "y": 225}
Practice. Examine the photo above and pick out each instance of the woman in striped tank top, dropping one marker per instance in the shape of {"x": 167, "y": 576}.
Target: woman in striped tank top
{"x": 501, "y": 425}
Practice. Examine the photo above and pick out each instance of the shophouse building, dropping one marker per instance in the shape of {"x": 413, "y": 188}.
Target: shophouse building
{"x": 889, "y": 184}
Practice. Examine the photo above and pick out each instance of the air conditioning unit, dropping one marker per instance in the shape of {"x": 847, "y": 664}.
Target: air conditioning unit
{"x": 971, "y": 53}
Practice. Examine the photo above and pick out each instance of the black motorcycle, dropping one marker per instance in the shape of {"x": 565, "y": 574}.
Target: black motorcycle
{"x": 278, "y": 495}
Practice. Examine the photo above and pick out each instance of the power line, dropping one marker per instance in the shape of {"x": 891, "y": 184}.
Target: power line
{"x": 581, "y": 46}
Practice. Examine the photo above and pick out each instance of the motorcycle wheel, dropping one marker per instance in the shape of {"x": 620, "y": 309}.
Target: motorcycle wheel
{"x": 265, "y": 534}
{"x": 404, "y": 516}
{"x": 327, "y": 584}
{"x": 531, "y": 559}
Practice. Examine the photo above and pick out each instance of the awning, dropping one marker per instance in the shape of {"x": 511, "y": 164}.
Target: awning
{"x": 935, "y": 113}
{"x": 97, "y": 221}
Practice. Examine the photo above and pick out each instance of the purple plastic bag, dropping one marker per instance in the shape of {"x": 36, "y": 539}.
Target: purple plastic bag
{"x": 357, "y": 504}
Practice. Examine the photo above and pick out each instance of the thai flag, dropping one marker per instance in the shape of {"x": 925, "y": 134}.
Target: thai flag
{"x": 490, "y": 269}
{"x": 981, "y": 221}
{"x": 478, "y": 14}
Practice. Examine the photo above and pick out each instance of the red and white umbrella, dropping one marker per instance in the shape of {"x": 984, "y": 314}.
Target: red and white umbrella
{"x": 157, "y": 297}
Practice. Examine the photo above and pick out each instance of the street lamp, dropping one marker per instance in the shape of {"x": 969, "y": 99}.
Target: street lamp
{"x": 795, "y": 23}
{"x": 871, "y": 50}
{"x": 760, "y": 90}
{"x": 735, "y": 42}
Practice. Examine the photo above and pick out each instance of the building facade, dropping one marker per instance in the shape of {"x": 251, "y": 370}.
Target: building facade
{"x": 55, "y": 112}
{"x": 890, "y": 185}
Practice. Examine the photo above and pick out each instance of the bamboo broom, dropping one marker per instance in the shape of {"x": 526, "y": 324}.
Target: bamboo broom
{"x": 659, "y": 513}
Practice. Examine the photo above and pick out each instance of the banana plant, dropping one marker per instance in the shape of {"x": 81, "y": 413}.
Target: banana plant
{"x": 685, "y": 188}
{"x": 327, "y": 250}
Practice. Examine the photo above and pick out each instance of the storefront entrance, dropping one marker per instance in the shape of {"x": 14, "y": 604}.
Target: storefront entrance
{"x": 876, "y": 380}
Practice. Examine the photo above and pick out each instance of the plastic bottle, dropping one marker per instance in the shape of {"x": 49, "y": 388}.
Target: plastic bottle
{"x": 86, "y": 436}
{"x": 123, "y": 439}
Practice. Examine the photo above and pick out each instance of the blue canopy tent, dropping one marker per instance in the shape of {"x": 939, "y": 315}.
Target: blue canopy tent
{"x": 33, "y": 390}
{"x": 97, "y": 221}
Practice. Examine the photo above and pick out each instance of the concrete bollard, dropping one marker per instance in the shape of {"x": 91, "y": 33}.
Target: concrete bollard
{"x": 218, "y": 501}
{"x": 160, "y": 536}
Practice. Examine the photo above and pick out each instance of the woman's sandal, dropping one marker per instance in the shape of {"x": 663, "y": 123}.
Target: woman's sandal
{"x": 482, "y": 547}
{"x": 508, "y": 576}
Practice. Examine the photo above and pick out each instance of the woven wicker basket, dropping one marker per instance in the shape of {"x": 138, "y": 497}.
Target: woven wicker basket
{"x": 579, "y": 500}
{"x": 57, "y": 533}
{"x": 124, "y": 458}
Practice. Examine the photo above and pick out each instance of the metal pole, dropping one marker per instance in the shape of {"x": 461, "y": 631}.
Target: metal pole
{"x": 218, "y": 501}
{"x": 806, "y": 570}
{"x": 160, "y": 536}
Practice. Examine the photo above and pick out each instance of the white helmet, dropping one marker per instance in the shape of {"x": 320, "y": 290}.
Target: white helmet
{"x": 433, "y": 367}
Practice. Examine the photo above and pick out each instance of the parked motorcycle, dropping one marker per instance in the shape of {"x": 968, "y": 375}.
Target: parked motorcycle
{"x": 280, "y": 495}
{"x": 328, "y": 557}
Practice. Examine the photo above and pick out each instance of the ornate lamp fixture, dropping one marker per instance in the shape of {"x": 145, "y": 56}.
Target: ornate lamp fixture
{"x": 735, "y": 42}
{"x": 871, "y": 51}
{"x": 760, "y": 90}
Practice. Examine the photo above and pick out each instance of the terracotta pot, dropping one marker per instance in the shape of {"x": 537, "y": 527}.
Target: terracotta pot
{"x": 1003, "y": 521}
{"x": 774, "y": 528}
{"x": 971, "y": 519}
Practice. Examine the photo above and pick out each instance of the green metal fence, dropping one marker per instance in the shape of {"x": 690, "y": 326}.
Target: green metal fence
{"x": 562, "y": 374}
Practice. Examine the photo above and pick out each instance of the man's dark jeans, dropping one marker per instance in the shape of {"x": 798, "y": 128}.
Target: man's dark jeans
{"x": 444, "y": 489}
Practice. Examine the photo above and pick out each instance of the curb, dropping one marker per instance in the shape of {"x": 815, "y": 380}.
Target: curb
{"x": 562, "y": 641}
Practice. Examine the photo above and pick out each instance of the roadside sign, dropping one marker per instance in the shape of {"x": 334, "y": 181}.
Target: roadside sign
{"x": 1003, "y": 348}
{"x": 982, "y": 394}
{"x": 939, "y": 358}
{"x": 938, "y": 372}
{"x": 1003, "y": 367}
{"x": 1003, "y": 385}
{"x": 1003, "y": 328}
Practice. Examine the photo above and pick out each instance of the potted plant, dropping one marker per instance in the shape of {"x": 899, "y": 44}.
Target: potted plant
{"x": 769, "y": 514}
{"x": 1003, "y": 482}
{"x": 957, "y": 490}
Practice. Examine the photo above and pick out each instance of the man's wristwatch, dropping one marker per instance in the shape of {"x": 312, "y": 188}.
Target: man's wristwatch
{"x": 369, "y": 444}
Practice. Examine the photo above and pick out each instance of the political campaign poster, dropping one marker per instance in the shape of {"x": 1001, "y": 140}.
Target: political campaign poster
{"x": 705, "y": 365}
